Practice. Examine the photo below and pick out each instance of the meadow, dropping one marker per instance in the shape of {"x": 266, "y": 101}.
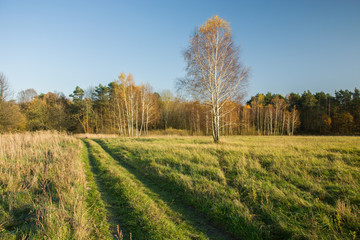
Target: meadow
{"x": 46, "y": 190}
{"x": 55, "y": 186}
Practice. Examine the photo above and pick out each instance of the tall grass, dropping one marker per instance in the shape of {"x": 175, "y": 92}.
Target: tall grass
{"x": 94, "y": 135}
{"x": 257, "y": 187}
{"x": 42, "y": 187}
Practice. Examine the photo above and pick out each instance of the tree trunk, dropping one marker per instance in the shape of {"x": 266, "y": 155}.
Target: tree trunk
{"x": 216, "y": 122}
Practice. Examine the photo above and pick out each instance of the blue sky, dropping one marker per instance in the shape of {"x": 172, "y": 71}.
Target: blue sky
{"x": 290, "y": 46}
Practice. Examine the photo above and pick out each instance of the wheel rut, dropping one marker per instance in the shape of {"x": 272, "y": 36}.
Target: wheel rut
{"x": 106, "y": 197}
{"x": 141, "y": 207}
{"x": 176, "y": 209}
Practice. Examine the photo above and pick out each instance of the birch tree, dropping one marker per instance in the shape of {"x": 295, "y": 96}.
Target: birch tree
{"x": 166, "y": 99}
{"x": 4, "y": 87}
{"x": 27, "y": 95}
{"x": 147, "y": 108}
{"x": 214, "y": 72}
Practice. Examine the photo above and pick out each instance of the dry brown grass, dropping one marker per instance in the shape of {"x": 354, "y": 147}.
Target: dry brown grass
{"x": 95, "y": 135}
{"x": 170, "y": 132}
{"x": 42, "y": 187}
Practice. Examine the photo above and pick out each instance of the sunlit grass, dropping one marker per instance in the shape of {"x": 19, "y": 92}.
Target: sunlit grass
{"x": 258, "y": 187}
{"x": 43, "y": 188}
{"x": 54, "y": 186}
{"x": 138, "y": 210}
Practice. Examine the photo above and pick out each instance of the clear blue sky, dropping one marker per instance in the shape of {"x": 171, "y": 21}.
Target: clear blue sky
{"x": 291, "y": 46}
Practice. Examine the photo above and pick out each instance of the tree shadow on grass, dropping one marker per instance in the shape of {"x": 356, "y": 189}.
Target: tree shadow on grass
{"x": 119, "y": 214}
{"x": 274, "y": 229}
{"x": 170, "y": 195}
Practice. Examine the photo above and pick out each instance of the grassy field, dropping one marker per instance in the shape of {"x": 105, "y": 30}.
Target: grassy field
{"x": 254, "y": 187}
{"x": 47, "y": 190}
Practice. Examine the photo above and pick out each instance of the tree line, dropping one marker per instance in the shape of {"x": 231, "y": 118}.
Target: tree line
{"x": 307, "y": 113}
{"x": 214, "y": 81}
{"x": 127, "y": 109}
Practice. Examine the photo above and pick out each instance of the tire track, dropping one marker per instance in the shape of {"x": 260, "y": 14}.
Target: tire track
{"x": 139, "y": 209}
{"x": 106, "y": 199}
{"x": 186, "y": 212}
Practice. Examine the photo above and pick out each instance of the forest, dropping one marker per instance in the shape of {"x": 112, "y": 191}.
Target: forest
{"x": 122, "y": 107}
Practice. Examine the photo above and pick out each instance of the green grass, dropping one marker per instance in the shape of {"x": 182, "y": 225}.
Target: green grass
{"x": 53, "y": 186}
{"x": 95, "y": 204}
{"x": 138, "y": 210}
{"x": 257, "y": 187}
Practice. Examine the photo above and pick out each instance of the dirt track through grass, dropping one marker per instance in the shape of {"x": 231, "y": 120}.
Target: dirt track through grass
{"x": 141, "y": 207}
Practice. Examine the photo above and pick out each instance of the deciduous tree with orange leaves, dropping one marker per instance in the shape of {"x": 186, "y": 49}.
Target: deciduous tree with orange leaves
{"x": 214, "y": 72}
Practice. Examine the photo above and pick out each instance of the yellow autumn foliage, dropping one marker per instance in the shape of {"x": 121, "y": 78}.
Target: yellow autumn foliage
{"x": 214, "y": 24}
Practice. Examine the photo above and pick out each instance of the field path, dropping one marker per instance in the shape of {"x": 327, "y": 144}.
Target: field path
{"x": 106, "y": 197}
{"x": 142, "y": 207}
